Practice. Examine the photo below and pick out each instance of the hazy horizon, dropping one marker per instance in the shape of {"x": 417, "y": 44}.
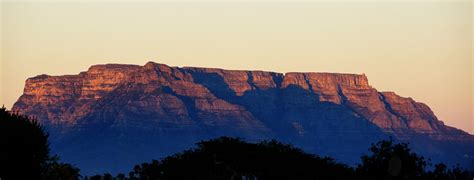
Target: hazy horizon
{"x": 421, "y": 50}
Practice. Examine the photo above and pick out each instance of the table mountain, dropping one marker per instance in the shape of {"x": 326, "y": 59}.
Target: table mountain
{"x": 114, "y": 116}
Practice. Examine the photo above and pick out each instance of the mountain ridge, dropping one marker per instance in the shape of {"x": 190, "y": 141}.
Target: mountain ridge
{"x": 312, "y": 110}
{"x": 302, "y": 79}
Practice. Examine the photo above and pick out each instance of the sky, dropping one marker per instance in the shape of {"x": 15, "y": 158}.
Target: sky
{"x": 418, "y": 49}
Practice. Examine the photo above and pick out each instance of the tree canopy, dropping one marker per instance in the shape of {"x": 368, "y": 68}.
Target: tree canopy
{"x": 232, "y": 158}
{"x": 25, "y": 153}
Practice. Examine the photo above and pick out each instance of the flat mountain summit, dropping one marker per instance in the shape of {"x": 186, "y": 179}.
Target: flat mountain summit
{"x": 113, "y": 116}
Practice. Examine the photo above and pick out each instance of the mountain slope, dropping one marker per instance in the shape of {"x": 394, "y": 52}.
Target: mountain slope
{"x": 113, "y": 116}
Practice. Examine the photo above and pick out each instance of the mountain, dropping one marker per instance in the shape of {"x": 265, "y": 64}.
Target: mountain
{"x": 114, "y": 116}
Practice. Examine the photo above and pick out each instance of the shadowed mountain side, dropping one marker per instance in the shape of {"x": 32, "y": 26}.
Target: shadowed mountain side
{"x": 156, "y": 134}
{"x": 298, "y": 116}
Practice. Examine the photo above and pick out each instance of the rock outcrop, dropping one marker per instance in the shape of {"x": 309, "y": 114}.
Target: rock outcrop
{"x": 156, "y": 106}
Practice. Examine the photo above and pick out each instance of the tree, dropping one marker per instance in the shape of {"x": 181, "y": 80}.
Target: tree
{"x": 232, "y": 158}
{"x": 24, "y": 148}
{"x": 96, "y": 177}
{"x": 59, "y": 171}
{"x": 391, "y": 161}
{"x": 25, "y": 153}
{"x": 120, "y": 176}
{"x": 107, "y": 176}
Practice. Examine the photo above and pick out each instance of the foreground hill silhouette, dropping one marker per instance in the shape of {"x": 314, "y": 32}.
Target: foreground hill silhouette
{"x": 113, "y": 116}
{"x": 232, "y": 158}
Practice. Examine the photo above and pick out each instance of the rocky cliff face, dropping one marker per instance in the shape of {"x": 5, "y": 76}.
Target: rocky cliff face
{"x": 156, "y": 104}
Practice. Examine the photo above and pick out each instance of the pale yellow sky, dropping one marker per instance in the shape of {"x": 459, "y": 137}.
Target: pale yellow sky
{"x": 418, "y": 49}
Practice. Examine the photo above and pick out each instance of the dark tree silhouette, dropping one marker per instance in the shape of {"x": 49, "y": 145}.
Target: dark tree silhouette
{"x": 25, "y": 153}
{"x": 60, "y": 171}
{"x": 120, "y": 176}
{"x": 391, "y": 161}
{"x": 232, "y": 158}
{"x": 442, "y": 172}
{"x": 106, "y": 176}
{"x": 96, "y": 177}
{"x": 24, "y": 149}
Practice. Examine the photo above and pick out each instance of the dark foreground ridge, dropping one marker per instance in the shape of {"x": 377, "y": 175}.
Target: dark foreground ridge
{"x": 113, "y": 116}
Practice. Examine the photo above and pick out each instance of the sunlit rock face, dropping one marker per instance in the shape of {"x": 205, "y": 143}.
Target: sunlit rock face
{"x": 142, "y": 112}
